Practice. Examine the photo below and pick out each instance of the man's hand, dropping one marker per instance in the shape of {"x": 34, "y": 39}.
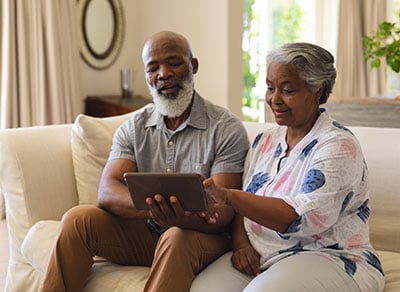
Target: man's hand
{"x": 247, "y": 260}
{"x": 172, "y": 214}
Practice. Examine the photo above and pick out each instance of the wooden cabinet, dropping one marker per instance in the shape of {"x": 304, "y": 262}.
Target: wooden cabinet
{"x": 112, "y": 105}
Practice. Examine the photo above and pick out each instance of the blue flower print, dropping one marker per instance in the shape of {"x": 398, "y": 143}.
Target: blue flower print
{"x": 295, "y": 249}
{"x": 295, "y": 226}
{"x": 257, "y": 181}
{"x": 334, "y": 246}
{"x": 308, "y": 149}
{"x": 340, "y": 126}
{"x": 256, "y": 140}
{"x": 346, "y": 201}
{"x": 283, "y": 236}
{"x": 313, "y": 181}
{"x": 349, "y": 265}
{"x": 278, "y": 150}
{"x": 373, "y": 260}
{"x": 365, "y": 169}
{"x": 364, "y": 211}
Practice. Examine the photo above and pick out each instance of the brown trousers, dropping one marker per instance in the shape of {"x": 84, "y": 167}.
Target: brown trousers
{"x": 175, "y": 257}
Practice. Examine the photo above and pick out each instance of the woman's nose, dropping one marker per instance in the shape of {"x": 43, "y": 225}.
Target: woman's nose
{"x": 274, "y": 97}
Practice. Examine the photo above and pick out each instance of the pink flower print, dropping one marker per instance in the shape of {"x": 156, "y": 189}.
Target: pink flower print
{"x": 317, "y": 219}
{"x": 357, "y": 259}
{"x": 256, "y": 228}
{"x": 355, "y": 240}
{"x": 266, "y": 144}
{"x": 318, "y": 237}
{"x": 349, "y": 147}
{"x": 281, "y": 185}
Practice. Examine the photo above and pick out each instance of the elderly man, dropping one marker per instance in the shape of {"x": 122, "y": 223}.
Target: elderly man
{"x": 182, "y": 133}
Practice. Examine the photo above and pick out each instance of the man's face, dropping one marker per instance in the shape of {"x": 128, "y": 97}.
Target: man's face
{"x": 172, "y": 105}
{"x": 169, "y": 77}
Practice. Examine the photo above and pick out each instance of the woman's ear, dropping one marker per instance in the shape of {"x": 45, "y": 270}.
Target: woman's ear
{"x": 319, "y": 92}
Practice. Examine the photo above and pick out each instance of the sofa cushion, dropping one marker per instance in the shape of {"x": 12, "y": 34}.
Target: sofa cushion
{"x": 390, "y": 264}
{"x": 38, "y": 243}
{"x": 104, "y": 276}
{"x": 90, "y": 143}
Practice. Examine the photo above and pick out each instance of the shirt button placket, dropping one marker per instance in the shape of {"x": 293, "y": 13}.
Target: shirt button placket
{"x": 170, "y": 155}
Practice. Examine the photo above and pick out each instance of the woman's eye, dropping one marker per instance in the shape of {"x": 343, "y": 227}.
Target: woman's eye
{"x": 287, "y": 91}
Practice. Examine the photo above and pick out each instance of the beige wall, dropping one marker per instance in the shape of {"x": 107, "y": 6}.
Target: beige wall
{"x": 214, "y": 28}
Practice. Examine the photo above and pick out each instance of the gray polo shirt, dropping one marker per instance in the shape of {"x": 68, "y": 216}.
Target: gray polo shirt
{"x": 211, "y": 141}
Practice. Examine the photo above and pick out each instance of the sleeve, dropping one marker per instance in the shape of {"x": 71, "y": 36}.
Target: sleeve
{"x": 232, "y": 144}
{"x": 332, "y": 175}
{"x": 122, "y": 143}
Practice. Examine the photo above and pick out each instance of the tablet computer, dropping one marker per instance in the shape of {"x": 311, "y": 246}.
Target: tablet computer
{"x": 187, "y": 187}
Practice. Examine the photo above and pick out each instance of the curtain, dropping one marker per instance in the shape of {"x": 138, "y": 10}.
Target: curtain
{"x": 355, "y": 77}
{"x": 39, "y": 63}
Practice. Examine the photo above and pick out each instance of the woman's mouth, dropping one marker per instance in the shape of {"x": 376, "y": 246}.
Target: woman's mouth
{"x": 279, "y": 112}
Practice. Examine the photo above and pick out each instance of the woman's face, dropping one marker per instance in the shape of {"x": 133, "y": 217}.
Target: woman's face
{"x": 289, "y": 97}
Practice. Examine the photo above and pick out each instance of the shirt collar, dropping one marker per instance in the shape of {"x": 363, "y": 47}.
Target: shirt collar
{"x": 196, "y": 119}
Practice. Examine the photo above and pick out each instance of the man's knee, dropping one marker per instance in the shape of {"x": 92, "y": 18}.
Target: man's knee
{"x": 79, "y": 211}
{"x": 80, "y": 216}
{"x": 178, "y": 240}
{"x": 174, "y": 236}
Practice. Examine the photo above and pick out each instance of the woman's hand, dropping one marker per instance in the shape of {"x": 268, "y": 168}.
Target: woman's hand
{"x": 247, "y": 260}
{"x": 214, "y": 193}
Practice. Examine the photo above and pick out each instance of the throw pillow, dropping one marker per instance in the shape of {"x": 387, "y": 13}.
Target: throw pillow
{"x": 91, "y": 140}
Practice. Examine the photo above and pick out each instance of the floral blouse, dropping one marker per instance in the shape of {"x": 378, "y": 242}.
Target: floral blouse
{"x": 325, "y": 180}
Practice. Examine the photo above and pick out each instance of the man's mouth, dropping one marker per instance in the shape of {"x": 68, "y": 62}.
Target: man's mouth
{"x": 168, "y": 88}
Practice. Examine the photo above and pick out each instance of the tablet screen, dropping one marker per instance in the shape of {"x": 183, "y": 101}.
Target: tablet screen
{"x": 187, "y": 187}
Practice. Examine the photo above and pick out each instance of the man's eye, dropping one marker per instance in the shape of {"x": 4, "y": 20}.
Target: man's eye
{"x": 151, "y": 69}
{"x": 175, "y": 64}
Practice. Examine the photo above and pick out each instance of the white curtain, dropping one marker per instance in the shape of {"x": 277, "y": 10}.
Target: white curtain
{"x": 39, "y": 62}
{"x": 355, "y": 77}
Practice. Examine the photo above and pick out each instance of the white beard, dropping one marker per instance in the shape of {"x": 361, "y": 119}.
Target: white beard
{"x": 173, "y": 107}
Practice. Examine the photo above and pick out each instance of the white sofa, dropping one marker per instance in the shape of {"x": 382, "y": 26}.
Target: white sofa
{"x": 46, "y": 170}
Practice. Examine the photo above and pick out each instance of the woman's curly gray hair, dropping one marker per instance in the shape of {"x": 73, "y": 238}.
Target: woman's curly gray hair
{"x": 314, "y": 65}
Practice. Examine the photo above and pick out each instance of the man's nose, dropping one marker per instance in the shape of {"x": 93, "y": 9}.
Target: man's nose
{"x": 164, "y": 72}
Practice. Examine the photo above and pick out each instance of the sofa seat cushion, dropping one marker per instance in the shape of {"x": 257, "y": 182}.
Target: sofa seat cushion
{"x": 104, "y": 276}
{"x": 38, "y": 243}
{"x": 391, "y": 267}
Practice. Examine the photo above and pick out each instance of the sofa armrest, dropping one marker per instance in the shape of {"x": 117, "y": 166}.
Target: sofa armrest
{"x": 36, "y": 177}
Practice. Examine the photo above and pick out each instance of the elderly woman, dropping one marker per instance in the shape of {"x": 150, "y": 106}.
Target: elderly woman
{"x": 302, "y": 219}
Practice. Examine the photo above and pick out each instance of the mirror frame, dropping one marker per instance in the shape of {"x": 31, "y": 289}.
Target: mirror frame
{"x": 89, "y": 55}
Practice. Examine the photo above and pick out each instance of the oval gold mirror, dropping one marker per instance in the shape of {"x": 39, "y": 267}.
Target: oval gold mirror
{"x": 101, "y": 31}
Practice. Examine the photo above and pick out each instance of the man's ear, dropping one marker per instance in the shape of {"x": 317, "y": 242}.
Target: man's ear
{"x": 195, "y": 64}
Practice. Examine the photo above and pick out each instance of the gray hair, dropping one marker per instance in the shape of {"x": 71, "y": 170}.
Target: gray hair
{"x": 314, "y": 65}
